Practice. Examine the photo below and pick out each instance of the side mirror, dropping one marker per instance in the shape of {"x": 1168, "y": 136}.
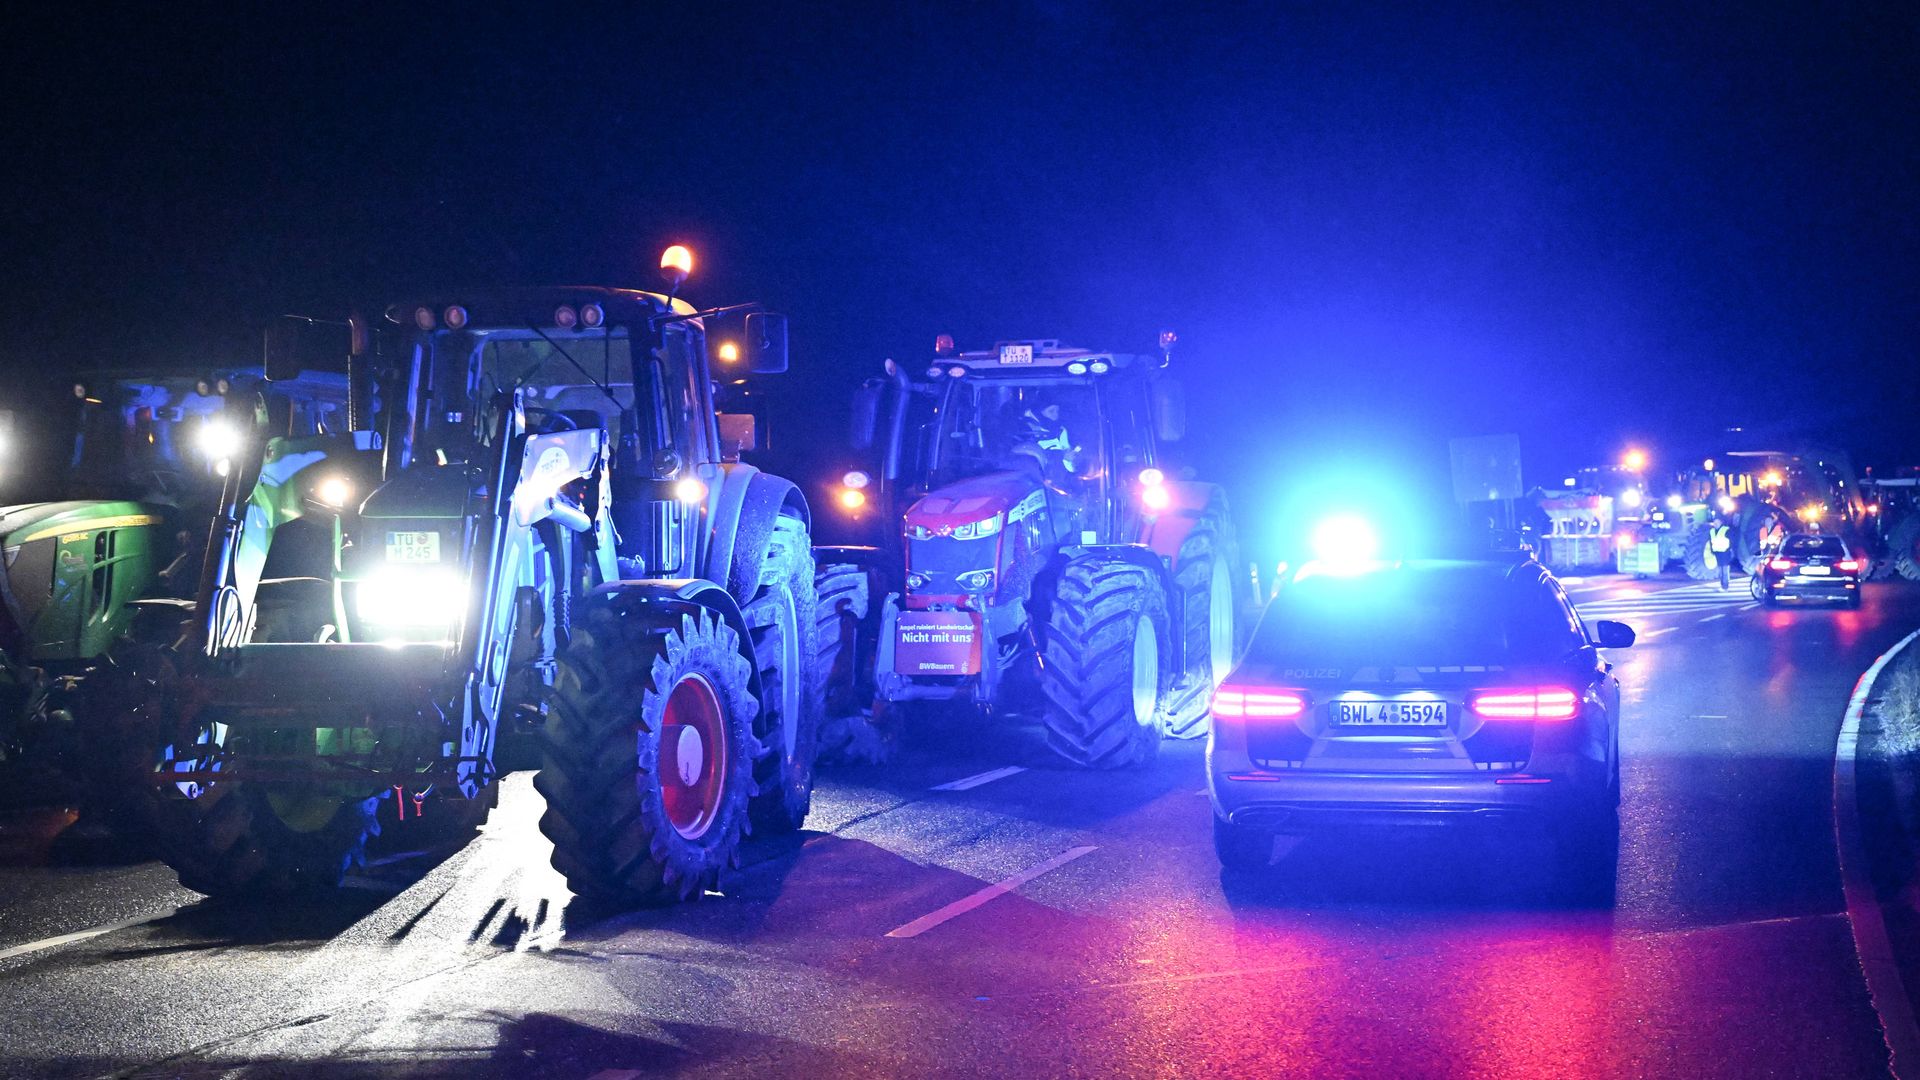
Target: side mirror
{"x": 1169, "y": 409}
{"x": 739, "y": 432}
{"x": 766, "y": 343}
{"x": 865, "y": 421}
{"x": 295, "y": 344}
{"x": 1613, "y": 635}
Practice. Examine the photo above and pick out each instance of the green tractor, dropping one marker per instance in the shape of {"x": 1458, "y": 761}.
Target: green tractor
{"x": 534, "y": 545}
{"x": 103, "y": 548}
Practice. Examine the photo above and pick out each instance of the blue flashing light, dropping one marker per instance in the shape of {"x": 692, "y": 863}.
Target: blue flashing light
{"x": 1345, "y": 539}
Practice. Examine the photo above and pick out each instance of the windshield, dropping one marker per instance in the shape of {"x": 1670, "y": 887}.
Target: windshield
{"x": 1815, "y": 545}
{"x": 1424, "y": 617}
{"x": 1051, "y": 428}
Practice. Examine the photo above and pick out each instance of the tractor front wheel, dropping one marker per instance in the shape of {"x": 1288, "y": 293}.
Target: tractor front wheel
{"x": 241, "y": 839}
{"x": 1208, "y": 578}
{"x": 647, "y": 759}
{"x": 1103, "y": 672}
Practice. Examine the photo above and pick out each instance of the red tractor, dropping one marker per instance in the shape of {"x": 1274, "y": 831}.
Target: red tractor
{"x": 1036, "y": 553}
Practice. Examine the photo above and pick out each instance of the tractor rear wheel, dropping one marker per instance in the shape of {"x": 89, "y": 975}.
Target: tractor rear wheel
{"x": 1103, "y": 672}
{"x": 784, "y": 620}
{"x": 1903, "y": 547}
{"x": 647, "y": 756}
{"x": 1701, "y": 561}
{"x": 1207, "y": 578}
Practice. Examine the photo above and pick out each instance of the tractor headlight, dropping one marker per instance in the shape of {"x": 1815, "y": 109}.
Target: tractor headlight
{"x": 975, "y": 530}
{"x": 219, "y": 439}
{"x": 977, "y": 581}
{"x": 412, "y": 600}
{"x": 334, "y": 491}
{"x": 917, "y": 580}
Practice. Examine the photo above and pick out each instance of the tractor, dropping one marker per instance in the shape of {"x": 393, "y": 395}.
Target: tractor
{"x": 106, "y": 548}
{"x": 1035, "y": 554}
{"x": 536, "y": 544}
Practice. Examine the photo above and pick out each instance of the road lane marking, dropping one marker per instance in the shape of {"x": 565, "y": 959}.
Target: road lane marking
{"x": 973, "y": 900}
{"x": 1657, "y": 633}
{"x": 968, "y": 782}
{"x": 1710, "y": 618}
{"x": 1884, "y": 985}
{"x": 1748, "y": 607}
{"x": 81, "y": 935}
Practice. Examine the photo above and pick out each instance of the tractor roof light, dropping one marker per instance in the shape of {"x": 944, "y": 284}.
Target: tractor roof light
{"x": 1100, "y": 367}
{"x": 1635, "y": 460}
{"x": 1152, "y": 477}
{"x": 957, "y": 372}
{"x": 943, "y": 345}
{"x": 455, "y": 317}
{"x": 592, "y": 316}
{"x": 1076, "y": 368}
{"x": 565, "y": 317}
{"x": 936, "y": 371}
{"x": 678, "y": 259}
{"x": 423, "y": 318}
{"x": 222, "y": 387}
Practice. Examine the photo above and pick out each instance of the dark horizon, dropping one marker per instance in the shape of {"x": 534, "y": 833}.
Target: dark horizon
{"x": 1371, "y": 231}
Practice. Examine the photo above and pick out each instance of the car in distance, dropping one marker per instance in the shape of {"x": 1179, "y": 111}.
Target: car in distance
{"x": 1422, "y": 692}
{"x": 1811, "y": 566}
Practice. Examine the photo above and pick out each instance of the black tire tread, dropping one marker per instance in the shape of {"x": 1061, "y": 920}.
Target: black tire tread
{"x": 1087, "y": 670}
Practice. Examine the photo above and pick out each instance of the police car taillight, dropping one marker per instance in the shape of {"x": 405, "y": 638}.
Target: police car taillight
{"x": 1258, "y": 703}
{"x": 1525, "y": 703}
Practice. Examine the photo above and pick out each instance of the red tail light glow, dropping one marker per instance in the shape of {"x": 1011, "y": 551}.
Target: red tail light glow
{"x": 1851, "y": 566}
{"x": 1259, "y": 703}
{"x": 1780, "y": 564}
{"x": 1525, "y": 703}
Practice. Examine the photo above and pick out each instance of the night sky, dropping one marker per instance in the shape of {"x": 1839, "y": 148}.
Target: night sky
{"x": 1373, "y": 229}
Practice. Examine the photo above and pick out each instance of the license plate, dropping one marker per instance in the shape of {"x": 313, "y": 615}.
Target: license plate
{"x": 1394, "y": 713}
{"x": 937, "y": 643}
{"x": 413, "y": 547}
{"x": 1816, "y": 571}
{"x": 1016, "y": 354}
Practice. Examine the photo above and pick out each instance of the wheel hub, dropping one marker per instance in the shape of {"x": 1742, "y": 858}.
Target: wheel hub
{"x": 693, "y": 765}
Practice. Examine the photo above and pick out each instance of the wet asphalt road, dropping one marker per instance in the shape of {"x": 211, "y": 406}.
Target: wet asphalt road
{"x": 1118, "y": 949}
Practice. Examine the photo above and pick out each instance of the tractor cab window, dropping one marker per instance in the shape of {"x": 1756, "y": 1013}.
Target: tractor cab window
{"x": 1050, "y": 429}
{"x": 1132, "y": 425}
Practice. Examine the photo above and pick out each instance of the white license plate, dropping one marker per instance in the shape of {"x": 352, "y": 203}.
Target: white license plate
{"x": 1816, "y": 571}
{"x": 1016, "y": 354}
{"x": 1399, "y": 713}
{"x": 413, "y": 547}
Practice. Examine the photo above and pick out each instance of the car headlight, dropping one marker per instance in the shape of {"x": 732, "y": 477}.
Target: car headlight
{"x": 977, "y": 580}
{"x": 402, "y": 600}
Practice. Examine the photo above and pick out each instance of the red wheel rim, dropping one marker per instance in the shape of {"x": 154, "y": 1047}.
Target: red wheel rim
{"x": 693, "y": 756}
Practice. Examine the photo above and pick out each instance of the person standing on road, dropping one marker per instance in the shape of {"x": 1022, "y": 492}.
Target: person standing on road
{"x": 1720, "y": 542}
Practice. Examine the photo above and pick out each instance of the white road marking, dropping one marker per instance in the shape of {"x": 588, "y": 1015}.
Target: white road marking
{"x": 1657, "y": 633}
{"x": 81, "y": 935}
{"x": 1748, "y": 607}
{"x": 1710, "y": 618}
{"x": 973, "y": 900}
{"x": 1884, "y": 984}
{"x": 974, "y": 781}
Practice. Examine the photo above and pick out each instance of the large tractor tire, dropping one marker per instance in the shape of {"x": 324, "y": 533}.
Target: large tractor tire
{"x": 1756, "y": 519}
{"x": 1701, "y": 561}
{"x": 1104, "y": 671}
{"x": 647, "y": 756}
{"x": 1903, "y": 547}
{"x": 784, "y": 620}
{"x": 1209, "y": 571}
{"x": 241, "y": 839}
{"x": 847, "y": 730}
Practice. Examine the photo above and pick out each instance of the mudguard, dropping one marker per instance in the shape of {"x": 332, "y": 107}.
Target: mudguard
{"x": 744, "y": 510}
{"x": 1166, "y": 531}
{"x": 667, "y": 597}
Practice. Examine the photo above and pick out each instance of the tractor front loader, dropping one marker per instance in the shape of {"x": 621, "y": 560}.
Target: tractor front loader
{"x": 531, "y": 548}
